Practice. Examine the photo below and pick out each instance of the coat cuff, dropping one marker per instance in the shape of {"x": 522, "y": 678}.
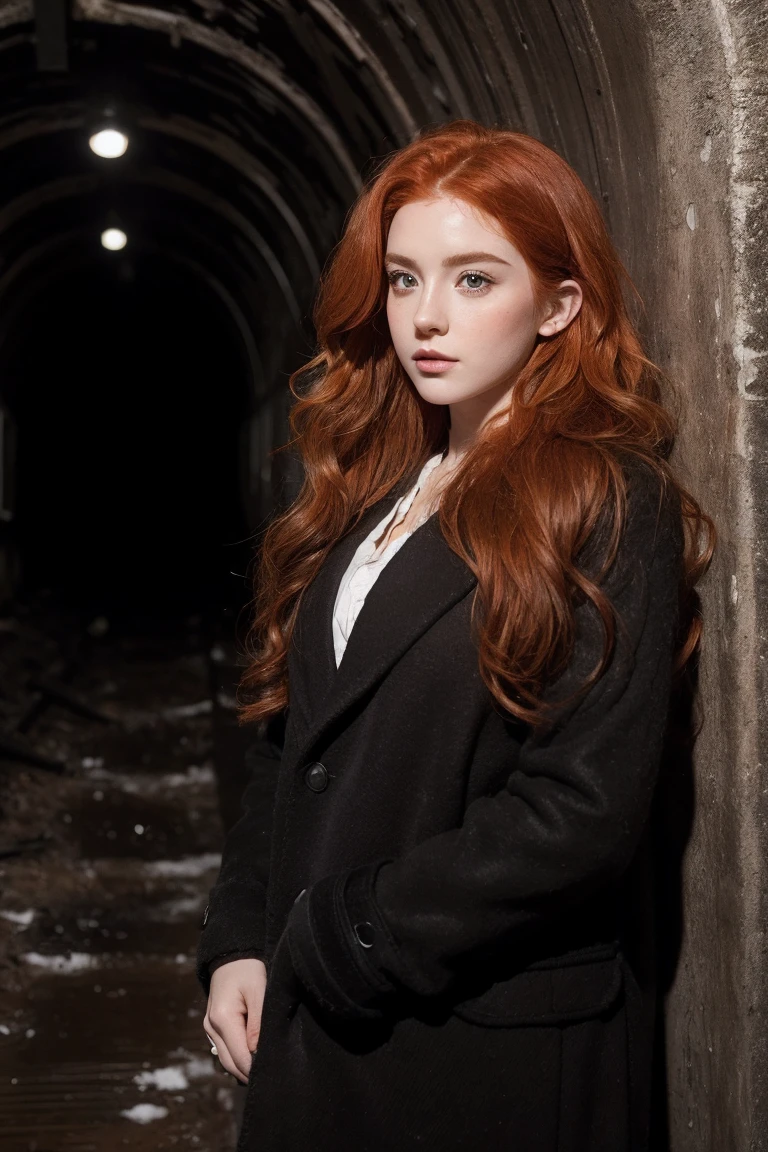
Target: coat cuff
{"x": 228, "y": 957}
{"x": 340, "y": 948}
{"x": 233, "y": 922}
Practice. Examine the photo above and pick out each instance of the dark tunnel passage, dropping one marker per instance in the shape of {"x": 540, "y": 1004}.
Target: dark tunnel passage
{"x": 142, "y": 392}
{"x": 130, "y": 388}
{"x": 250, "y": 129}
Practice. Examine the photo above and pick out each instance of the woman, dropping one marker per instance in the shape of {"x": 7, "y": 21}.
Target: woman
{"x": 466, "y": 632}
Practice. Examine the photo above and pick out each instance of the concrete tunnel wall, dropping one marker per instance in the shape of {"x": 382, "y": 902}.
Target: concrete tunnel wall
{"x": 661, "y": 106}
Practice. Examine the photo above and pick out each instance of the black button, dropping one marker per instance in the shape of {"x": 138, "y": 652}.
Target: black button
{"x": 316, "y": 777}
{"x": 365, "y": 934}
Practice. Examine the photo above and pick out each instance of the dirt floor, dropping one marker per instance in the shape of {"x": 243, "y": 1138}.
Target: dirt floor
{"x": 104, "y": 872}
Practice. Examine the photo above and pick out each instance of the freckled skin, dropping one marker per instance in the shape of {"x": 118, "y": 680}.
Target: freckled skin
{"x": 483, "y": 312}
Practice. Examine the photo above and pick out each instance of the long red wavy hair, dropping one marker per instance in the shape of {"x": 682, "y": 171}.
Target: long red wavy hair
{"x": 528, "y": 494}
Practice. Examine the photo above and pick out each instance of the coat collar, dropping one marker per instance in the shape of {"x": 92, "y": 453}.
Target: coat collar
{"x": 421, "y": 582}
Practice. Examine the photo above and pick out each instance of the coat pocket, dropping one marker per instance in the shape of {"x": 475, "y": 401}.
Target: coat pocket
{"x": 557, "y": 991}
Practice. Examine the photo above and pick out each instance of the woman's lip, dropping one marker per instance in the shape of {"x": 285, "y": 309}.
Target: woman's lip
{"x": 430, "y": 364}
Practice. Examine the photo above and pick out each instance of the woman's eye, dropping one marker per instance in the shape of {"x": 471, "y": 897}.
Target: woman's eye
{"x": 393, "y": 277}
{"x": 478, "y": 282}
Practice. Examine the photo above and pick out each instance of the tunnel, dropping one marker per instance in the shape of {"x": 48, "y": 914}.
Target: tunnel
{"x": 144, "y": 390}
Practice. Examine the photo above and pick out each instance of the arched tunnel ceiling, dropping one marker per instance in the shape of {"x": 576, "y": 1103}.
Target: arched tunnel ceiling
{"x": 252, "y": 126}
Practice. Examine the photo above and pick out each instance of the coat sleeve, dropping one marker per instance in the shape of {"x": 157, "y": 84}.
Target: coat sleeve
{"x": 565, "y": 825}
{"x": 234, "y": 920}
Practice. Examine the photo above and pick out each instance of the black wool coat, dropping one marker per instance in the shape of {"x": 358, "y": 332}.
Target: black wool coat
{"x": 445, "y": 901}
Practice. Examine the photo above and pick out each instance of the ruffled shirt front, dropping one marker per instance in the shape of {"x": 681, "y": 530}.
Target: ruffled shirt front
{"x": 368, "y": 562}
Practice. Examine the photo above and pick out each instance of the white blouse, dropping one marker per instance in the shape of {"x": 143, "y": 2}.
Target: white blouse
{"x": 368, "y": 562}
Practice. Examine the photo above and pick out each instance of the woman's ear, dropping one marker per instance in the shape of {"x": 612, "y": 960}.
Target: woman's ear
{"x": 563, "y": 306}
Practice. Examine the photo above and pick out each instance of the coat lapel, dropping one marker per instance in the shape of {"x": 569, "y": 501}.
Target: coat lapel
{"x": 311, "y": 660}
{"x": 421, "y": 582}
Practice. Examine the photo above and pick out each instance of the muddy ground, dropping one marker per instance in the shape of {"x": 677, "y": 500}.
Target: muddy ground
{"x": 104, "y": 872}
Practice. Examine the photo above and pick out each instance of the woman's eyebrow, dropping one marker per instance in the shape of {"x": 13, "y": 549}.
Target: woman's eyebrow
{"x": 450, "y": 261}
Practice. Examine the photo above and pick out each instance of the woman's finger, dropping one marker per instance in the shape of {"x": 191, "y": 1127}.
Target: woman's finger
{"x": 223, "y": 1054}
{"x": 230, "y": 1025}
{"x": 228, "y": 1064}
{"x": 254, "y": 1001}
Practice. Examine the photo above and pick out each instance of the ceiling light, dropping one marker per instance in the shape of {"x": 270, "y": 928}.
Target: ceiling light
{"x": 114, "y": 239}
{"x": 109, "y": 143}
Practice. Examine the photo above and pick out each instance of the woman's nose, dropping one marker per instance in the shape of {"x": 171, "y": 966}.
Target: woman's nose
{"x": 430, "y": 316}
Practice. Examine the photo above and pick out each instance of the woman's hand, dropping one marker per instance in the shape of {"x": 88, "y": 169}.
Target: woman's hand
{"x": 233, "y": 1018}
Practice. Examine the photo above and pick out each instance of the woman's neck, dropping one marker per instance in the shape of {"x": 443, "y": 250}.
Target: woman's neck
{"x": 469, "y": 416}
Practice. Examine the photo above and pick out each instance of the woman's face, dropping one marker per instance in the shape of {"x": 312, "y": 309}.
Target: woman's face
{"x": 459, "y": 288}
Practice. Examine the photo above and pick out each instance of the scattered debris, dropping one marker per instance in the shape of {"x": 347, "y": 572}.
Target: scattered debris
{"x": 23, "y": 919}
{"x": 16, "y": 747}
{"x": 174, "y": 1077}
{"x": 101, "y": 1008}
{"x": 21, "y": 847}
{"x": 170, "y": 1079}
{"x": 34, "y": 673}
{"x": 184, "y": 711}
{"x": 188, "y": 866}
{"x": 145, "y": 783}
{"x": 72, "y": 962}
{"x": 145, "y": 1113}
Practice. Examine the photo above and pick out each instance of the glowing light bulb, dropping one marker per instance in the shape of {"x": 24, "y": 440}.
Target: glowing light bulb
{"x": 114, "y": 239}
{"x": 109, "y": 143}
